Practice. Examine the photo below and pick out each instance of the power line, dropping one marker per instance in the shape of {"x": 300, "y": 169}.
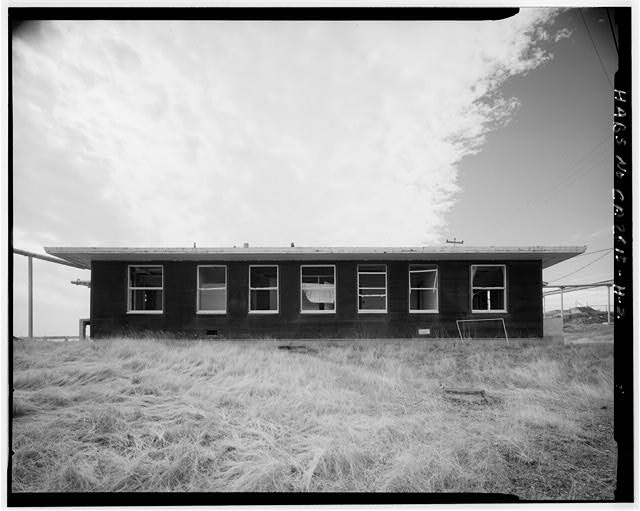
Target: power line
{"x": 582, "y": 267}
{"x": 573, "y": 177}
{"x": 580, "y": 162}
{"x": 613, "y": 34}
{"x": 576, "y": 166}
{"x": 594, "y": 252}
{"x": 606, "y": 74}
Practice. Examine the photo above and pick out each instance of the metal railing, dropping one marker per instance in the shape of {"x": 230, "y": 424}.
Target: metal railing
{"x": 561, "y": 289}
{"x": 30, "y": 256}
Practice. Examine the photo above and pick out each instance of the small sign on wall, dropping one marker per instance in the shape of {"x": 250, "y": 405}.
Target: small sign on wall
{"x": 424, "y": 331}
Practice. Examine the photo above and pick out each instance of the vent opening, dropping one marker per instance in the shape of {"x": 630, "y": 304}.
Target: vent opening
{"x": 211, "y": 333}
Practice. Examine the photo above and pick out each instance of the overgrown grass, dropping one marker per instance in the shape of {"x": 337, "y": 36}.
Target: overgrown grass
{"x": 144, "y": 415}
{"x": 585, "y": 333}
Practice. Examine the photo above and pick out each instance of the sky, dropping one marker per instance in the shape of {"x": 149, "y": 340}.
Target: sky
{"x": 326, "y": 133}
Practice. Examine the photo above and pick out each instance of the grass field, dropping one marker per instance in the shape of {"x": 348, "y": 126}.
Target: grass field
{"x": 145, "y": 415}
{"x": 587, "y": 333}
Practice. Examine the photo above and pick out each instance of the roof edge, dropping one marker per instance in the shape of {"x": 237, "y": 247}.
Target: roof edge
{"x": 549, "y": 255}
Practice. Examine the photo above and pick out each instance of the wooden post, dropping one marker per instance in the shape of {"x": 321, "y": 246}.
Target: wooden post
{"x": 30, "y": 297}
{"x": 562, "y": 305}
{"x": 608, "y": 305}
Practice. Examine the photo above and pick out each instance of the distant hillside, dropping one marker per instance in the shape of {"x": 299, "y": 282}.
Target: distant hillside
{"x": 580, "y": 315}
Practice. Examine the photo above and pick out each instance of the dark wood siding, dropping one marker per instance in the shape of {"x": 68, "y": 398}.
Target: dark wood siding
{"x": 109, "y": 303}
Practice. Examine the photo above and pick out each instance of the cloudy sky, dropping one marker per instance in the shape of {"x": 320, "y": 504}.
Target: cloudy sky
{"x": 334, "y": 133}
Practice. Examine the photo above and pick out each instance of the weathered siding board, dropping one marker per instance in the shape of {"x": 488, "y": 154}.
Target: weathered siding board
{"x": 109, "y": 303}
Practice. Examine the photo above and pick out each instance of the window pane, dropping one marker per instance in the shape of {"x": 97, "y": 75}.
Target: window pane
{"x": 315, "y": 299}
{"x": 422, "y": 267}
{"x": 318, "y": 275}
{"x": 378, "y": 280}
{"x": 212, "y": 276}
{"x": 423, "y": 278}
{"x": 373, "y": 291}
{"x": 372, "y": 303}
{"x": 263, "y": 276}
{"x": 264, "y": 300}
{"x": 142, "y": 300}
{"x": 424, "y": 300}
{"x": 372, "y": 267}
{"x": 141, "y": 276}
{"x": 488, "y": 276}
{"x": 497, "y": 299}
{"x": 213, "y": 299}
{"x": 480, "y": 300}
{"x": 318, "y": 288}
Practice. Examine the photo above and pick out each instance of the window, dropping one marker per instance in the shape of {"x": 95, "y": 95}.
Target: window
{"x": 372, "y": 288}
{"x": 488, "y": 288}
{"x": 212, "y": 290}
{"x": 263, "y": 289}
{"x": 145, "y": 284}
{"x": 317, "y": 289}
{"x": 423, "y": 288}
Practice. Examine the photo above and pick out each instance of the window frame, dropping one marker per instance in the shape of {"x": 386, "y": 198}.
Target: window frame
{"x": 226, "y": 289}
{"x": 386, "y": 289}
{"x": 277, "y": 288}
{"x": 335, "y": 289}
{"x": 504, "y": 289}
{"x": 130, "y": 288}
{"x": 437, "y": 288}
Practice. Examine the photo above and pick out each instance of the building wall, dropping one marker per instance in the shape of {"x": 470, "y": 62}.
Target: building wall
{"x": 109, "y": 303}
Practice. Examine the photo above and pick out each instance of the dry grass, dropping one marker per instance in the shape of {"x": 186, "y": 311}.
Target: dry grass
{"x": 581, "y": 333}
{"x": 144, "y": 415}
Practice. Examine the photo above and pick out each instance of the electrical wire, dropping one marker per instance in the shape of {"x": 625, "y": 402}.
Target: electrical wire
{"x": 606, "y": 74}
{"x": 582, "y": 267}
{"x": 613, "y": 34}
{"x": 595, "y": 164}
{"x": 574, "y": 169}
{"x": 594, "y": 252}
{"x": 580, "y": 162}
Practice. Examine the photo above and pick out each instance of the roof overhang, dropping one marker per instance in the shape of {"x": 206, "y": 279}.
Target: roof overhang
{"x": 83, "y": 256}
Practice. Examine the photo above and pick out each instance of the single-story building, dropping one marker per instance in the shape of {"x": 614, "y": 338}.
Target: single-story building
{"x": 309, "y": 292}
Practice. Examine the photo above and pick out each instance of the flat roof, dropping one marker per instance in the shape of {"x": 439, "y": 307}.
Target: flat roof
{"x": 83, "y": 256}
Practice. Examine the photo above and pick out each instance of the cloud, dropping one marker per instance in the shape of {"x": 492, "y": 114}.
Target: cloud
{"x": 221, "y": 132}
{"x": 563, "y": 33}
{"x": 274, "y": 131}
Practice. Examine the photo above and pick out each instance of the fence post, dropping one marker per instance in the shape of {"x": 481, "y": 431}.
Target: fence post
{"x": 562, "y": 305}
{"x": 30, "y": 297}
{"x": 608, "y": 305}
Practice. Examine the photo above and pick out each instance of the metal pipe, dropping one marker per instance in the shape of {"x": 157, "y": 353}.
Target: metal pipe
{"x": 30, "y": 297}
{"x": 576, "y": 287}
{"x": 79, "y": 282}
{"x": 30, "y": 256}
{"x": 47, "y": 258}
